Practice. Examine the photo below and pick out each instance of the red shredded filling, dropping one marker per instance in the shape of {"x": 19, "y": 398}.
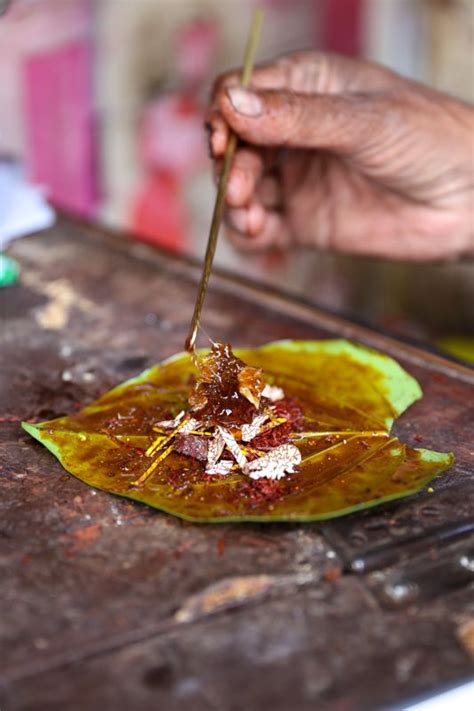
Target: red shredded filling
{"x": 262, "y": 490}
{"x": 291, "y": 410}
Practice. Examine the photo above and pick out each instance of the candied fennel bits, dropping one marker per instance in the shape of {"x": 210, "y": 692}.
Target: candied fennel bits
{"x": 275, "y": 464}
{"x": 252, "y": 430}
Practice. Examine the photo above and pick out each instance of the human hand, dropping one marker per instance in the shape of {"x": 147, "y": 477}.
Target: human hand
{"x": 343, "y": 154}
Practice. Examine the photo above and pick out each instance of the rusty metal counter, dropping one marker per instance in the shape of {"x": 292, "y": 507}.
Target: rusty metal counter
{"x": 108, "y": 604}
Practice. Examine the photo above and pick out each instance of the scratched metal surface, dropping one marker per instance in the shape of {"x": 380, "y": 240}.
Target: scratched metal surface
{"x": 108, "y": 604}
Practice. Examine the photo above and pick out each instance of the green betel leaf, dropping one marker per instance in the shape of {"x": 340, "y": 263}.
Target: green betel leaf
{"x": 350, "y": 396}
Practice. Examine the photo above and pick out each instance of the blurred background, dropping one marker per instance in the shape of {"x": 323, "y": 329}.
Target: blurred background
{"x": 102, "y": 116}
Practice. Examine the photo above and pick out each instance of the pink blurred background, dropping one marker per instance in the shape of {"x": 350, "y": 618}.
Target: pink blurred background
{"x": 102, "y": 105}
{"x": 104, "y": 98}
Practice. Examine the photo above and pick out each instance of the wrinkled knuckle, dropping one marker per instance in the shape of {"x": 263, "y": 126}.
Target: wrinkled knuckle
{"x": 299, "y": 57}
{"x": 389, "y": 110}
{"x": 296, "y": 123}
{"x": 307, "y": 71}
{"x": 402, "y": 100}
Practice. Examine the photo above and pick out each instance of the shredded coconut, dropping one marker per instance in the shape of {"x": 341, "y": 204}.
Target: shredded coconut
{"x": 250, "y": 431}
{"x": 223, "y": 467}
{"x": 273, "y": 393}
{"x": 275, "y": 464}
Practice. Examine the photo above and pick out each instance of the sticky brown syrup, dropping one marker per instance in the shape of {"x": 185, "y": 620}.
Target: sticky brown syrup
{"x": 216, "y": 398}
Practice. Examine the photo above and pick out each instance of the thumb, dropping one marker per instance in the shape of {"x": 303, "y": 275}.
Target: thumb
{"x": 337, "y": 122}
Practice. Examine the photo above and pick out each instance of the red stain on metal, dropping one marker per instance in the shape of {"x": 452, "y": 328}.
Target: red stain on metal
{"x": 86, "y": 535}
{"x": 332, "y": 573}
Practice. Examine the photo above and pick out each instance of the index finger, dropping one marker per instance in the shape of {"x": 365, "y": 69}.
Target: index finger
{"x": 312, "y": 72}
{"x": 275, "y": 75}
{"x": 306, "y": 72}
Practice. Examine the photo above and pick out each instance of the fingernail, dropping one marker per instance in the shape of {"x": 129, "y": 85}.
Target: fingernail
{"x": 245, "y": 102}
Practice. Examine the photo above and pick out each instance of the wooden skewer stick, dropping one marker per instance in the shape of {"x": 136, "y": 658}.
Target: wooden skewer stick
{"x": 222, "y": 186}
